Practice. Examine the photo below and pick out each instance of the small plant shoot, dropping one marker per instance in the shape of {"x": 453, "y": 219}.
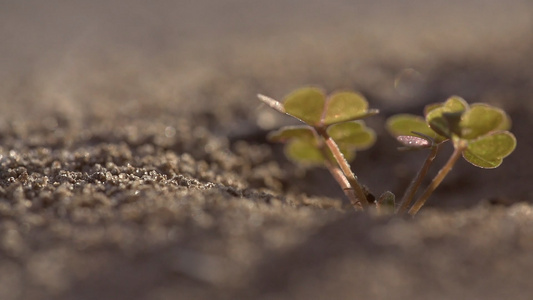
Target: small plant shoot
{"x": 331, "y": 135}
{"x": 333, "y": 131}
{"x": 478, "y": 132}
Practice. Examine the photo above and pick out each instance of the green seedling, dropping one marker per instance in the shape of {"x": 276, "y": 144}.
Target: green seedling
{"x": 333, "y": 131}
{"x": 331, "y": 134}
{"x": 478, "y": 132}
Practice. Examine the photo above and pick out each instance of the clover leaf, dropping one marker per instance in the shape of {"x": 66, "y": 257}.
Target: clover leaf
{"x": 480, "y": 129}
{"x": 305, "y": 104}
{"x": 454, "y": 117}
{"x": 478, "y": 132}
{"x": 489, "y": 151}
{"x": 443, "y": 118}
{"x": 406, "y": 125}
{"x": 481, "y": 119}
{"x": 345, "y": 106}
{"x": 331, "y": 136}
{"x": 304, "y": 146}
{"x": 352, "y": 135}
{"x": 311, "y": 106}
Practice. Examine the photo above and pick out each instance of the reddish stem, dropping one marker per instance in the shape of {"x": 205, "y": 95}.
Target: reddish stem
{"x": 345, "y": 167}
{"x": 415, "y": 184}
{"x": 437, "y": 180}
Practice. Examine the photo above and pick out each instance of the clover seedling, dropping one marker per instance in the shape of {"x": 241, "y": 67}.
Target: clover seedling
{"x": 478, "y": 133}
{"x": 331, "y": 134}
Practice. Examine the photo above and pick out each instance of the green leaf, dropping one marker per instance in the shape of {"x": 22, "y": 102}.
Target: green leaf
{"x": 481, "y": 119}
{"x": 490, "y": 150}
{"x": 306, "y": 104}
{"x": 287, "y": 133}
{"x": 506, "y": 123}
{"x": 304, "y": 151}
{"x": 405, "y": 124}
{"x": 352, "y": 135}
{"x": 346, "y": 106}
{"x": 302, "y": 144}
{"x": 444, "y": 119}
{"x": 431, "y": 107}
{"x": 455, "y": 104}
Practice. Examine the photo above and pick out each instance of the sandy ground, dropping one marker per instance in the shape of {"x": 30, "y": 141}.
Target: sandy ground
{"x": 134, "y": 165}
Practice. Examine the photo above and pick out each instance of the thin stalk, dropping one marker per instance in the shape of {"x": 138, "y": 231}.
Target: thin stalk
{"x": 341, "y": 179}
{"x": 415, "y": 184}
{"x": 437, "y": 180}
{"x": 336, "y": 172}
{"x": 345, "y": 167}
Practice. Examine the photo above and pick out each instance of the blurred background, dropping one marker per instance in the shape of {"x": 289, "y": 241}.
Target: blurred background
{"x": 205, "y": 60}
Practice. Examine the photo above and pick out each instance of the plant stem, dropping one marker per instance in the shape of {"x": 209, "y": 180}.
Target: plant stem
{"x": 336, "y": 172}
{"x": 437, "y": 180}
{"x": 413, "y": 186}
{"x": 345, "y": 167}
{"x": 341, "y": 179}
